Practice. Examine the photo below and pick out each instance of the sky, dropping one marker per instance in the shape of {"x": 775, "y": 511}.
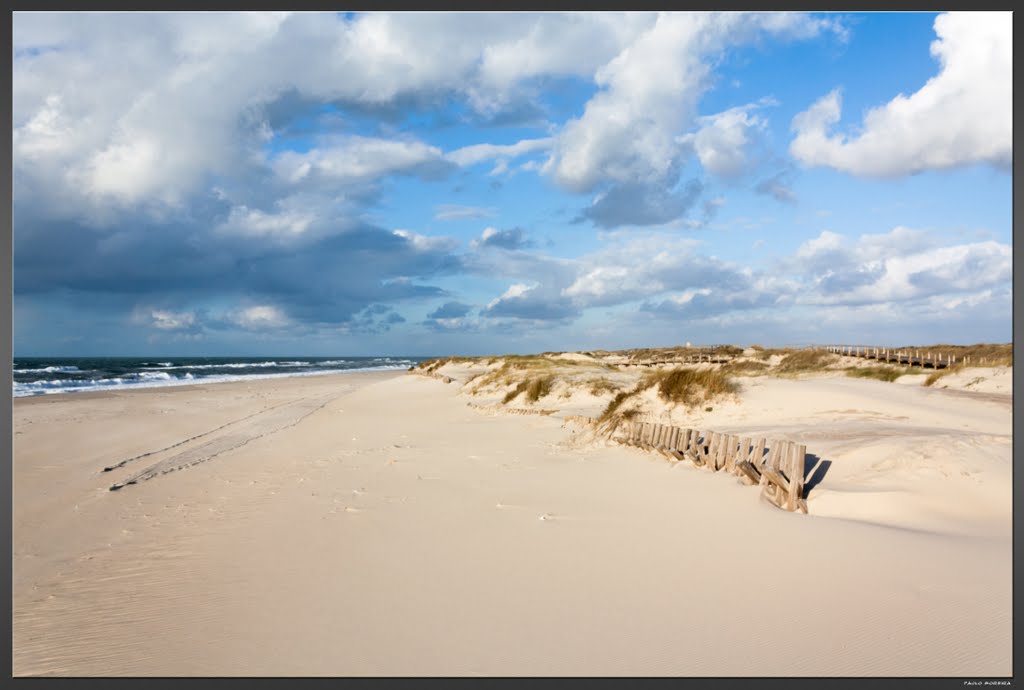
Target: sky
{"x": 488, "y": 183}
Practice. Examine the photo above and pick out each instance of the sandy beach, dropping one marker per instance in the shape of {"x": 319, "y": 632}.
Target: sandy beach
{"x": 390, "y": 524}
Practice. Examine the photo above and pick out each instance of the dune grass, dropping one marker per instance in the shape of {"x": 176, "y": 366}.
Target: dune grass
{"x": 432, "y": 365}
{"x": 981, "y": 354}
{"x": 616, "y": 403}
{"x": 691, "y": 386}
{"x": 889, "y": 374}
{"x": 599, "y": 386}
{"x": 681, "y": 385}
{"x": 744, "y": 367}
{"x": 800, "y": 361}
{"x": 535, "y": 388}
{"x": 767, "y": 353}
{"x": 939, "y": 373}
{"x": 539, "y": 388}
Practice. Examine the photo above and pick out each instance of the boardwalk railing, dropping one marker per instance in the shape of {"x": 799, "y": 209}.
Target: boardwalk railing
{"x": 775, "y": 466}
{"x": 913, "y": 358}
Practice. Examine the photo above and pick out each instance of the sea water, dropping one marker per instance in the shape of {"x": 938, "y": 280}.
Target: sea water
{"x": 47, "y": 375}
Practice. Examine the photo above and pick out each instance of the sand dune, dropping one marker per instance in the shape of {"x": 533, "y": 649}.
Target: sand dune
{"x": 393, "y": 529}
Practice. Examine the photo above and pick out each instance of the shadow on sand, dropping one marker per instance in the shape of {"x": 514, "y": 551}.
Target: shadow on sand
{"x": 814, "y": 471}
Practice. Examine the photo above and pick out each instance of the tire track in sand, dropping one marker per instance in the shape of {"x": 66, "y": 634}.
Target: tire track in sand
{"x": 269, "y": 422}
{"x": 147, "y": 454}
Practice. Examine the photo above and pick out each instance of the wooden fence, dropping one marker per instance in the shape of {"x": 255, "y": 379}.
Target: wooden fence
{"x": 913, "y": 358}
{"x": 697, "y": 358}
{"x": 775, "y": 466}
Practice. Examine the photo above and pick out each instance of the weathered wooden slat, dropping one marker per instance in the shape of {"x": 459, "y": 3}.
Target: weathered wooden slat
{"x": 796, "y": 477}
{"x": 723, "y": 446}
{"x": 757, "y": 454}
{"x": 712, "y": 459}
{"x": 773, "y": 450}
{"x": 748, "y": 473}
{"x": 743, "y": 453}
{"x": 702, "y": 447}
{"x": 730, "y": 453}
{"x": 773, "y": 476}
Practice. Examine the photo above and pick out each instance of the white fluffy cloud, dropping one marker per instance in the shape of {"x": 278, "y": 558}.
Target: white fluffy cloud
{"x": 629, "y": 130}
{"x": 251, "y": 222}
{"x": 191, "y": 92}
{"x": 961, "y": 116}
{"x": 722, "y": 143}
{"x": 259, "y": 317}
{"x": 358, "y": 159}
{"x": 471, "y": 155}
{"x": 190, "y": 88}
{"x": 898, "y": 266}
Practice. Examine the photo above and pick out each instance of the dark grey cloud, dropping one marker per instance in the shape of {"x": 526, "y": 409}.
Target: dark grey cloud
{"x": 537, "y": 304}
{"x": 450, "y": 310}
{"x": 327, "y": 279}
{"x": 849, "y": 278}
{"x": 513, "y": 238}
{"x": 717, "y": 301}
{"x": 641, "y": 204}
{"x": 374, "y": 319}
{"x": 778, "y": 186}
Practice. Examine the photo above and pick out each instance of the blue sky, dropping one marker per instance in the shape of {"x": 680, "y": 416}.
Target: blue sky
{"x": 421, "y": 184}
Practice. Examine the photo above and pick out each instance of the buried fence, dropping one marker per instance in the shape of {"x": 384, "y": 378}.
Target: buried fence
{"x": 775, "y": 466}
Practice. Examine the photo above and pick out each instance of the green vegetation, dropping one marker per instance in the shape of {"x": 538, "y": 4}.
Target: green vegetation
{"x": 598, "y": 386}
{"x": 766, "y": 354}
{"x": 744, "y": 367}
{"x": 432, "y": 365}
{"x": 981, "y": 355}
{"x": 939, "y": 373}
{"x": 800, "y": 361}
{"x": 881, "y": 373}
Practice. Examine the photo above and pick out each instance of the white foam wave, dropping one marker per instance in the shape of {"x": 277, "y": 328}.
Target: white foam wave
{"x": 47, "y": 370}
{"x": 228, "y": 365}
{"x": 49, "y": 387}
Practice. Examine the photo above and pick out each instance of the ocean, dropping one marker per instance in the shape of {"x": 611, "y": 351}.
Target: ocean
{"x": 50, "y": 375}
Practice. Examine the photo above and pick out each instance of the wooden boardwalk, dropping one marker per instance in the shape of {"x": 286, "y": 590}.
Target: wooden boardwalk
{"x": 914, "y": 358}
